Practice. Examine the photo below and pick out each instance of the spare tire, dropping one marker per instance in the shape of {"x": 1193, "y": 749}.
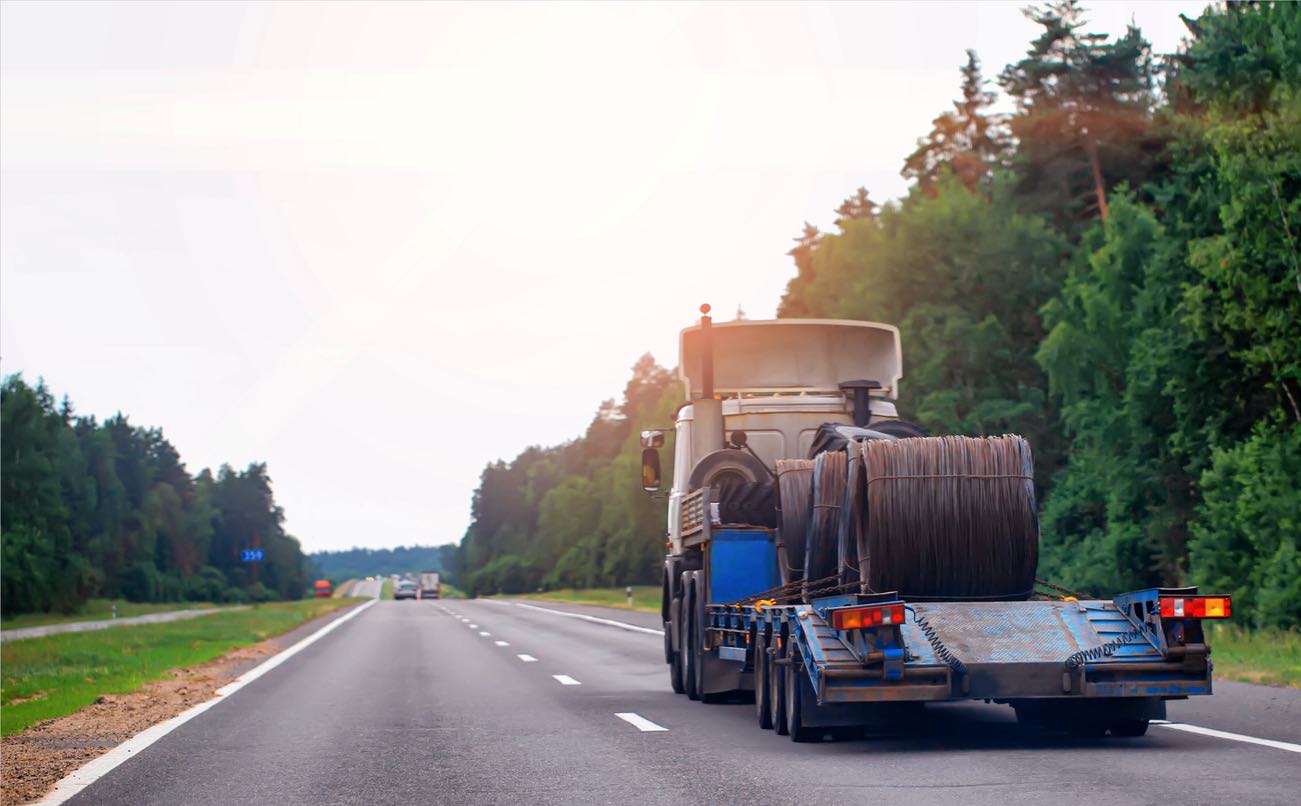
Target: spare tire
{"x": 727, "y": 466}
{"x": 899, "y": 429}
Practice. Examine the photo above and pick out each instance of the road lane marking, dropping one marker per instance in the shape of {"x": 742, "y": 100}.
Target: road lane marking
{"x": 566, "y": 680}
{"x": 484, "y": 634}
{"x": 1235, "y": 737}
{"x": 81, "y": 778}
{"x": 642, "y": 723}
{"x": 527, "y": 658}
{"x": 585, "y": 617}
{"x": 502, "y": 643}
{"x": 474, "y": 626}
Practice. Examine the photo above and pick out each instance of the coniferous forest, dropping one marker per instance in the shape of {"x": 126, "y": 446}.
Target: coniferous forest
{"x": 108, "y": 509}
{"x": 1111, "y": 270}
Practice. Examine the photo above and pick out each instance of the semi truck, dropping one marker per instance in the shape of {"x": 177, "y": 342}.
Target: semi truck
{"x": 756, "y": 603}
{"x": 429, "y": 586}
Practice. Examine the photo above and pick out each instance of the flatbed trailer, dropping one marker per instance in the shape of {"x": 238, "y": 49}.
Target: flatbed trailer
{"x": 840, "y": 664}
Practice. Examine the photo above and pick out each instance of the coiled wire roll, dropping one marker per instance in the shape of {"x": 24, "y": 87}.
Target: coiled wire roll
{"x": 849, "y": 523}
{"x": 828, "y": 497}
{"x": 794, "y": 485}
{"x": 949, "y": 518}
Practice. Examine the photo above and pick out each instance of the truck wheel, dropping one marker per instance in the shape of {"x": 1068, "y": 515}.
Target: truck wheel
{"x": 690, "y": 657}
{"x": 777, "y": 687}
{"x": 701, "y": 621}
{"x": 1126, "y": 728}
{"x": 762, "y": 691}
{"x": 797, "y": 702}
{"x": 677, "y": 679}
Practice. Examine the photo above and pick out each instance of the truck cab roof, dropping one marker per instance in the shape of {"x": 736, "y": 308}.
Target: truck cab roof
{"x": 793, "y": 357}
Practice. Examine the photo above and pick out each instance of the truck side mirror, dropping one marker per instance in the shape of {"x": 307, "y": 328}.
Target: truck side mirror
{"x": 650, "y": 470}
{"x": 652, "y": 439}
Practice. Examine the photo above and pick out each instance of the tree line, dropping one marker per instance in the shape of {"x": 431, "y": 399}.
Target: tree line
{"x": 355, "y": 563}
{"x": 1110, "y": 270}
{"x": 107, "y": 509}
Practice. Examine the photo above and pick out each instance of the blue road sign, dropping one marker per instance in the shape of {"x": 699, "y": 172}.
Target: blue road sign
{"x": 251, "y": 555}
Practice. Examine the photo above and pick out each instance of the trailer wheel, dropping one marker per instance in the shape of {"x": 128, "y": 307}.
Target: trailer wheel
{"x": 797, "y": 701}
{"x": 1128, "y": 728}
{"x": 762, "y": 691}
{"x": 777, "y": 686}
{"x": 690, "y": 657}
{"x": 677, "y": 677}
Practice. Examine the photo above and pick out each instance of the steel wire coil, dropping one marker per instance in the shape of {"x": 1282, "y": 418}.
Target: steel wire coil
{"x": 828, "y": 497}
{"x": 949, "y": 518}
{"x": 794, "y": 486}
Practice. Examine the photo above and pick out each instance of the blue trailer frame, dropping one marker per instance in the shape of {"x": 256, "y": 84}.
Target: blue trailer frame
{"x": 1116, "y": 658}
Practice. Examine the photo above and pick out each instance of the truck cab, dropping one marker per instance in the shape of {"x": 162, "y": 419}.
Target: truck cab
{"x": 777, "y": 382}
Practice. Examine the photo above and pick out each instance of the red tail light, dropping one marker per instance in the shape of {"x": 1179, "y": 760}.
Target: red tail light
{"x": 857, "y": 618}
{"x": 1196, "y": 607}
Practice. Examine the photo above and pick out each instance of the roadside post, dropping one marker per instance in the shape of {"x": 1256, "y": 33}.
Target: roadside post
{"x": 628, "y": 592}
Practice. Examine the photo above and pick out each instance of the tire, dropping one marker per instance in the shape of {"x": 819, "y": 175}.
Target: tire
{"x": 727, "y": 464}
{"x": 777, "y": 688}
{"x": 762, "y": 692}
{"x": 690, "y": 657}
{"x": 899, "y": 429}
{"x": 797, "y": 703}
{"x": 1129, "y": 728}
{"x": 698, "y": 648}
{"x": 677, "y": 678}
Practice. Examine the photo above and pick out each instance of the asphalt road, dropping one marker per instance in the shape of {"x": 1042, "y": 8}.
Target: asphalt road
{"x": 411, "y": 702}
{"x": 367, "y": 587}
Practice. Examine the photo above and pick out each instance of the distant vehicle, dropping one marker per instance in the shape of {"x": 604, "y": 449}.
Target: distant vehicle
{"x": 430, "y": 588}
{"x": 405, "y": 589}
{"x": 323, "y": 589}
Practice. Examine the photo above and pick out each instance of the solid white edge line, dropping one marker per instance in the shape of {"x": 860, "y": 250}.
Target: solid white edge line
{"x": 1221, "y": 734}
{"x": 566, "y": 680}
{"x": 585, "y": 617}
{"x": 79, "y": 779}
{"x": 527, "y": 658}
{"x": 640, "y": 722}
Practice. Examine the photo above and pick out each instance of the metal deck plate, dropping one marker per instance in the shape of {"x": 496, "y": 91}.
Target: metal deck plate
{"x": 1017, "y": 632}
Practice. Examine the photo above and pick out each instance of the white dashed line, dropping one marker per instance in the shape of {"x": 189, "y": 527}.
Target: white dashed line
{"x": 474, "y": 626}
{"x": 502, "y": 643}
{"x": 566, "y": 680}
{"x": 1236, "y": 737}
{"x": 484, "y": 634}
{"x": 527, "y": 658}
{"x": 641, "y": 723}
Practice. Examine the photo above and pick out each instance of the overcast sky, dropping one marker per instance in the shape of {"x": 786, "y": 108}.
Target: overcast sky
{"x": 379, "y": 245}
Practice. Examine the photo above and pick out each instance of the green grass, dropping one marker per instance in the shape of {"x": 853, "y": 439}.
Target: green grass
{"x": 1269, "y": 657}
{"x": 43, "y": 678}
{"x": 97, "y": 610}
{"x": 645, "y": 598}
{"x": 450, "y": 592}
{"x": 386, "y": 592}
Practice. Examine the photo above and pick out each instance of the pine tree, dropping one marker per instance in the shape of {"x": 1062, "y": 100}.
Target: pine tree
{"x": 1083, "y": 120}
{"x": 968, "y": 141}
{"x": 858, "y": 207}
{"x": 792, "y": 304}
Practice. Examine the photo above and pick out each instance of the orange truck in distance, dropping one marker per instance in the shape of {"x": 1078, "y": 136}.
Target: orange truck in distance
{"x": 323, "y": 589}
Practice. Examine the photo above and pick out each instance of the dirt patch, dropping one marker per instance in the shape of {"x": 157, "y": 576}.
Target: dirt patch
{"x": 33, "y": 761}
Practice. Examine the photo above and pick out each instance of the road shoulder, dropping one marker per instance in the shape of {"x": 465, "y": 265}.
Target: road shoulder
{"x": 33, "y": 761}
